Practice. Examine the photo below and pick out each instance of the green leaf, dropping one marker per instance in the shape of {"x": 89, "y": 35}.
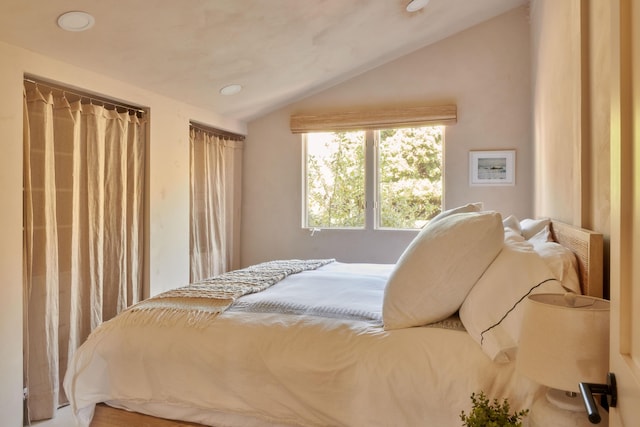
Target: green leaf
{"x": 491, "y": 414}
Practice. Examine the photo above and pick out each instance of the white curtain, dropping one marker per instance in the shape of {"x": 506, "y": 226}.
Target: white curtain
{"x": 83, "y": 225}
{"x": 216, "y": 168}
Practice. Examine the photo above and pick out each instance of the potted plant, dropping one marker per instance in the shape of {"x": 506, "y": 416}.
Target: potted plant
{"x": 485, "y": 413}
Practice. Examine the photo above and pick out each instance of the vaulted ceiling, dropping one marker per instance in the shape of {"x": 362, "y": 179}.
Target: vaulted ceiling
{"x": 279, "y": 51}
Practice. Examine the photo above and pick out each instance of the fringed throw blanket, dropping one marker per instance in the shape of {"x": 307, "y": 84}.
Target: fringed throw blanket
{"x": 202, "y": 301}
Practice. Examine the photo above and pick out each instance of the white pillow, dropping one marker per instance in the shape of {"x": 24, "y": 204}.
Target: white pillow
{"x": 531, "y": 227}
{"x": 439, "y": 267}
{"x": 512, "y": 222}
{"x": 492, "y": 312}
{"x": 469, "y": 207}
{"x": 561, "y": 261}
{"x": 510, "y": 235}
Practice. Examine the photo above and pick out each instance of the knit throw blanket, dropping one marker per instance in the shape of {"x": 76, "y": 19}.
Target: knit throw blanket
{"x": 203, "y": 301}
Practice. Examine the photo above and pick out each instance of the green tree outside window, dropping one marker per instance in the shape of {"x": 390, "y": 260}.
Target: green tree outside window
{"x": 408, "y": 170}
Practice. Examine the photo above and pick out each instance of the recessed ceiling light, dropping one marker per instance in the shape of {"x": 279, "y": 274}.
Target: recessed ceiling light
{"x": 75, "y": 21}
{"x": 416, "y": 5}
{"x": 231, "y": 89}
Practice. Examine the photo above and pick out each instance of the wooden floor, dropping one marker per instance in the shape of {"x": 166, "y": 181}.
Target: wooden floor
{"x": 106, "y": 416}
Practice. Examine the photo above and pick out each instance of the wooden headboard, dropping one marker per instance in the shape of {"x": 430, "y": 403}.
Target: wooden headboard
{"x": 587, "y": 245}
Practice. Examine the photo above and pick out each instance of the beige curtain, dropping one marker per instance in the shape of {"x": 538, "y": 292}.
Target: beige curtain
{"x": 83, "y": 200}
{"x": 216, "y": 167}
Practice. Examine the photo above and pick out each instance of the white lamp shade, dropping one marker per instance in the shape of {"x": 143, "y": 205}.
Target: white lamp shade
{"x": 564, "y": 340}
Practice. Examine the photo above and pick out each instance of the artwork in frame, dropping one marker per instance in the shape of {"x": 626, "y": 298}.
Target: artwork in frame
{"x": 492, "y": 168}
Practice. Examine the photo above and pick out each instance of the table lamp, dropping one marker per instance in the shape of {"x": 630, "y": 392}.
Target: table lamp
{"x": 564, "y": 341}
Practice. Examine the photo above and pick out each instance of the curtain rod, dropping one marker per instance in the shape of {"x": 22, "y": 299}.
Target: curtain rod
{"x": 216, "y": 132}
{"x": 102, "y": 100}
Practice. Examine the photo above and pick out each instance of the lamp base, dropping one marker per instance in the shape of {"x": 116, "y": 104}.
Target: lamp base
{"x": 565, "y": 400}
{"x": 546, "y": 414}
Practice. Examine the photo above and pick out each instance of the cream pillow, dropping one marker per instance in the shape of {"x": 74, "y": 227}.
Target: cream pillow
{"x": 469, "y": 207}
{"x": 561, "y": 261}
{"x": 492, "y": 312}
{"x": 439, "y": 267}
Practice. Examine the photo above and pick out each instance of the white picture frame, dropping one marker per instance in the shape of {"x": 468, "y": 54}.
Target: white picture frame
{"x": 492, "y": 168}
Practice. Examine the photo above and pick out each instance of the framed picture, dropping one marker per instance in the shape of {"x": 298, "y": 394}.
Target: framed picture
{"x": 491, "y": 168}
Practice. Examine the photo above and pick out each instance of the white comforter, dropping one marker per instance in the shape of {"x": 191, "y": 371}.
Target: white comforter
{"x": 326, "y": 362}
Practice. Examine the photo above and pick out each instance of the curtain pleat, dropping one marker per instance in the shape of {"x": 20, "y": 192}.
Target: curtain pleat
{"x": 83, "y": 196}
{"x": 215, "y": 170}
{"x": 41, "y": 242}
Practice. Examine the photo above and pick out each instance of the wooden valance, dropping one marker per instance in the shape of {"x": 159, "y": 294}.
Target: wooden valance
{"x": 375, "y": 119}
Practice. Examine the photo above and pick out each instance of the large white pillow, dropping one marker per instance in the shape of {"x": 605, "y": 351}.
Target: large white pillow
{"x": 492, "y": 312}
{"x": 469, "y": 207}
{"x": 439, "y": 267}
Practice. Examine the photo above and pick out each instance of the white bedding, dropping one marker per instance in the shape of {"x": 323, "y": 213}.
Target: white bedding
{"x": 327, "y": 362}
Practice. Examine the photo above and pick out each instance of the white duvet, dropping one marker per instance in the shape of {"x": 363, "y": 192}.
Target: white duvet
{"x": 309, "y": 351}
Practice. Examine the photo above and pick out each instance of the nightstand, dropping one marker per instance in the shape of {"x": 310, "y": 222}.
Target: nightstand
{"x": 545, "y": 414}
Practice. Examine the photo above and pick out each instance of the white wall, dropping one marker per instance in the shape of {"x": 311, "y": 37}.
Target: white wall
{"x": 485, "y": 71}
{"x": 168, "y": 195}
{"x": 557, "y": 108}
{"x": 572, "y": 108}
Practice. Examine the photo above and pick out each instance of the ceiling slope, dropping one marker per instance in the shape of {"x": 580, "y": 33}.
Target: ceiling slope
{"x": 278, "y": 50}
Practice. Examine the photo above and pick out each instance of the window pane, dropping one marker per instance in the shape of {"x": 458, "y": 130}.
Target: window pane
{"x": 409, "y": 176}
{"x": 335, "y": 179}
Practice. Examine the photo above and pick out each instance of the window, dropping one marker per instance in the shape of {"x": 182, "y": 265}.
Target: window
{"x": 409, "y": 184}
{"x": 335, "y": 179}
{"x": 395, "y": 172}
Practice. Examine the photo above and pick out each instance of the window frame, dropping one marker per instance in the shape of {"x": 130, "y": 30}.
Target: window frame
{"x": 372, "y": 197}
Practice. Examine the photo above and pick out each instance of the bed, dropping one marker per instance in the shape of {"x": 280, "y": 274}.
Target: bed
{"x": 348, "y": 350}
